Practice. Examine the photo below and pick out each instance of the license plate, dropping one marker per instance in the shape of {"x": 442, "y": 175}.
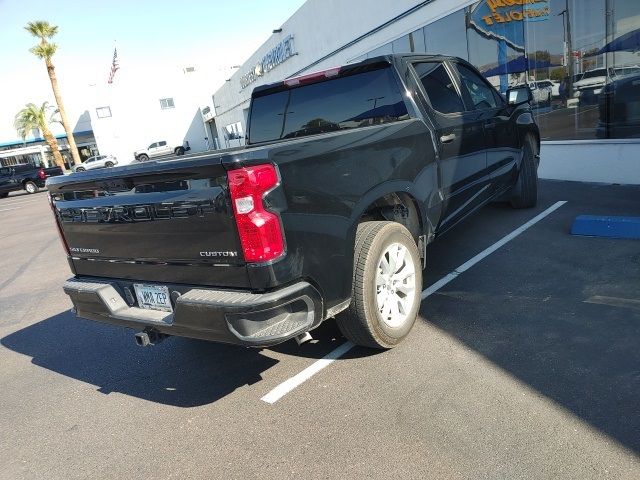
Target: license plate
{"x": 153, "y": 297}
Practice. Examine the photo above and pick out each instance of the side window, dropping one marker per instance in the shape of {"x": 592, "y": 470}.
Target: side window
{"x": 439, "y": 87}
{"x": 162, "y": 144}
{"x": 482, "y": 95}
{"x": 153, "y": 145}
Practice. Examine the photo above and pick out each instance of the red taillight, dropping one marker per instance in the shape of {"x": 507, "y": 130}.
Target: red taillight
{"x": 259, "y": 229}
{"x": 58, "y": 226}
{"x": 312, "y": 77}
{"x": 41, "y": 174}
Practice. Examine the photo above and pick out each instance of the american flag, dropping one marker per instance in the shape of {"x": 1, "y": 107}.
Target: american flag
{"x": 114, "y": 65}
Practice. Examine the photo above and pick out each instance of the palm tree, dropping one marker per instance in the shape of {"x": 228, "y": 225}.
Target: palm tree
{"x": 45, "y": 51}
{"x": 32, "y": 117}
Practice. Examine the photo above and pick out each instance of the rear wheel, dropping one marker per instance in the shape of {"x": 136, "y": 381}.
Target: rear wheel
{"x": 80, "y": 169}
{"x": 179, "y": 151}
{"x": 525, "y": 191}
{"x": 30, "y": 187}
{"x": 4, "y": 195}
{"x": 108, "y": 164}
{"x": 387, "y": 281}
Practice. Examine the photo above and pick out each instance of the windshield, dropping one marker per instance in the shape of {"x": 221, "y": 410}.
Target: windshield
{"x": 601, "y": 72}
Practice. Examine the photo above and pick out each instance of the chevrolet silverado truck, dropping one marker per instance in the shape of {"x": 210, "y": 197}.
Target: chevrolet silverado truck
{"x": 348, "y": 174}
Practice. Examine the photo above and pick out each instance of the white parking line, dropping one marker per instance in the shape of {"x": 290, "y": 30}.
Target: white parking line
{"x": 285, "y": 387}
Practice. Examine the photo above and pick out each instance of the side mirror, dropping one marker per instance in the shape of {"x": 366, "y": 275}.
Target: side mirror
{"x": 519, "y": 95}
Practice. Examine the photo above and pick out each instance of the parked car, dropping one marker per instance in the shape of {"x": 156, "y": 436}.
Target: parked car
{"x": 258, "y": 245}
{"x": 550, "y": 84}
{"x": 619, "y": 108}
{"x": 590, "y": 84}
{"x": 159, "y": 149}
{"x": 98, "y": 161}
{"x": 26, "y": 176}
{"x": 542, "y": 92}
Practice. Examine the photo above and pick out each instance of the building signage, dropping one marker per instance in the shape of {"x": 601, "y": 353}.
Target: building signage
{"x": 274, "y": 57}
{"x": 504, "y": 19}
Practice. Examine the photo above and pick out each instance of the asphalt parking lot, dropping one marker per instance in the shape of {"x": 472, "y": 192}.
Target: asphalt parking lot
{"x": 523, "y": 365}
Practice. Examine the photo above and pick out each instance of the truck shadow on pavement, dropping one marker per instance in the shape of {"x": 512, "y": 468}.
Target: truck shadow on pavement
{"x": 180, "y": 372}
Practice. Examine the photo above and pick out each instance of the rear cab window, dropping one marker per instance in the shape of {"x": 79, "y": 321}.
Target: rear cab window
{"x": 357, "y": 100}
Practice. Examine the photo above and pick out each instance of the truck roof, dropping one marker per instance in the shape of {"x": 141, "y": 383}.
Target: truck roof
{"x": 347, "y": 68}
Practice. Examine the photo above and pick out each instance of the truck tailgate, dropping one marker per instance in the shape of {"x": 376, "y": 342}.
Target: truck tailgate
{"x": 164, "y": 221}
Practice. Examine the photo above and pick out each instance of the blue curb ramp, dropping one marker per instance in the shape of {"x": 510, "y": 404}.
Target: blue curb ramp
{"x": 604, "y": 226}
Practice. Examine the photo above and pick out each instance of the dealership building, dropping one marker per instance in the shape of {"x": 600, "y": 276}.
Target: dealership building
{"x": 581, "y": 58}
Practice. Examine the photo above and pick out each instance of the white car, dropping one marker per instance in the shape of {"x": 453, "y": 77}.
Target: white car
{"x": 555, "y": 86}
{"x": 542, "y": 92}
{"x": 159, "y": 149}
{"x": 98, "y": 161}
{"x": 592, "y": 81}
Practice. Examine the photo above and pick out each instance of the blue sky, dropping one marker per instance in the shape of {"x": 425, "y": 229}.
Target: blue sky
{"x": 147, "y": 33}
{"x": 143, "y": 29}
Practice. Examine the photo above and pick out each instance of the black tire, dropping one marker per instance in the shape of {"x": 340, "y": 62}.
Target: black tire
{"x": 143, "y": 157}
{"x": 80, "y": 169}
{"x": 525, "y": 191}
{"x": 362, "y": 322}
{"x": 4, "y": 195}
{"x": 30, "y": 187}
{"x": 179, "y": 151}
{"x": 108, "y": 164}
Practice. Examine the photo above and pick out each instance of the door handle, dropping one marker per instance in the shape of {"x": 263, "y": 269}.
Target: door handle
{"x": 448, "y": 138}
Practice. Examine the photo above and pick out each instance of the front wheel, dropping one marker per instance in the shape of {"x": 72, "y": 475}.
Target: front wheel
{"x": 30, "y": 187}
{"x": 80, "y": 169}
{"x": 108, "y": 164}
{"x": 143, "y": 158}
{"x": 4, "y": 195}
{"x": 525, "y": 192}
{"x": 179, "y": 151}
{"x": 387, "y": 284}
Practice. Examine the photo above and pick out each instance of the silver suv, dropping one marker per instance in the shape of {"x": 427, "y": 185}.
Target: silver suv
{"x": 98, "y": 161}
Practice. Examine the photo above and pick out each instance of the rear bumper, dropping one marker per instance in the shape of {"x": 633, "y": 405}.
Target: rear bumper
{"x": 242, "y": 318}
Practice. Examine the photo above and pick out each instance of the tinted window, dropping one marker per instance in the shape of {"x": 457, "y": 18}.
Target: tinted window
{"x": 153, "y": 145}
{"x": 439, "y": 87}
{"x": 359, "y": 100}
{"x": 482, "y": 95}
{"x": 162, "y": 144}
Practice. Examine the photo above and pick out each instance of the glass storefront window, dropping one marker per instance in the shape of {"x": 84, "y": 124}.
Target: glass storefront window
{"x": 416, "y": 40}
{"x": 447, "y": 36}
{"x": 581, "y": 58}
{"x": 619, "y": 103}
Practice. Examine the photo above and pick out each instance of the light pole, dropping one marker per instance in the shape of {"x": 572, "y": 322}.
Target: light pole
{"x": 566, "y": 23}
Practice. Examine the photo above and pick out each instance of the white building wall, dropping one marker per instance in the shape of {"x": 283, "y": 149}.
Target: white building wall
{"x": 602, "y": 161}
{"x": 137, "y": 118}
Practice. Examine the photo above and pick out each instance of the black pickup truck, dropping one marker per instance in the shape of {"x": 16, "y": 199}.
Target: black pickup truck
{"x": 348, "y": 174}
{"x": 26, "y": 177}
